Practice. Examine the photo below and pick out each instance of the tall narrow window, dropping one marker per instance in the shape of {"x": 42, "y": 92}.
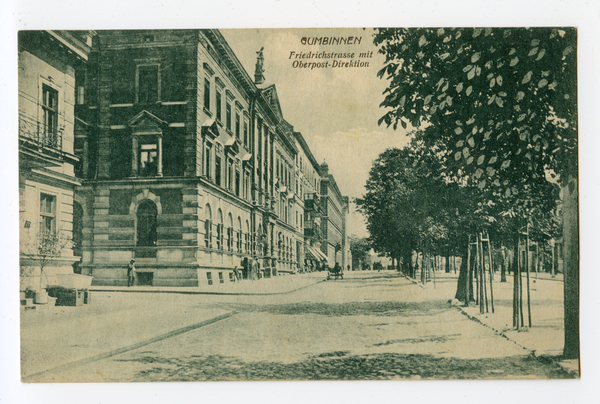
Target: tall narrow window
{"x": 228, "y": 115}
{"x": 147, "y": 83}
{"x": 218, "y": 170}
{"x": 246, "y": 140}
{"x": 220, "y": 230}
{"x": 207, "y": 94}
{"x": 47, "y": 215}
{"x": 207, "y": 227}
{"x": 229, "y": 238}
{"x": 218, "y": 105}
{"x": 230, "y": 174}
{"x": 237, "y": 125}
{"x": 147, "y": 224}
{"x": 237, "y": 183}
{"x": 80, "y": 95}
{"x": 50, "y": 115}
{"x": 207, "y": 161}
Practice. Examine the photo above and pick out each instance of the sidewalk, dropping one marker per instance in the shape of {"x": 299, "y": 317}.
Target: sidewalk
{"x": 544, "y": 338}
{"x": 265, "y": 286}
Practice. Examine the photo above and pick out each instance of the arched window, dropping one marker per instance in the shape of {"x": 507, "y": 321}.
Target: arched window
{"x": 207, "y": 226}
{"x": 219, "y": 230}
{"x": 229, "y": 232}
{"x": 238, "y": 235}
{"x": 279, "y": 245}
{"x": 247, "y": 237}
{"x": 146, "y": 223}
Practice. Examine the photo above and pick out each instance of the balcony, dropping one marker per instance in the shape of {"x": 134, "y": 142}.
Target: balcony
{"x": 40, "y": 134}
{"x": 40, "y": 145}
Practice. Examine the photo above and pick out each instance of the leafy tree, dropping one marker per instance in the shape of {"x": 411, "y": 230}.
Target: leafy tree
{"x": 499, "y": 106}
{"x": 360, "y": 251}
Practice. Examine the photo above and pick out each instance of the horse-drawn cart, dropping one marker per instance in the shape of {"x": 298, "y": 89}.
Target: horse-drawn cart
{"x": 335, "y": 272}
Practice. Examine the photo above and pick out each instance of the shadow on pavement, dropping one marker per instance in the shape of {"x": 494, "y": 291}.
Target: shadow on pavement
{"x": 337, "y": 366}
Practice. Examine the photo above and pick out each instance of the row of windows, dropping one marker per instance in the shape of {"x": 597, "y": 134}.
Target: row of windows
{"x": 214, "y": 235}
{"x": 233, "y": 171}
{"x": 239, "y": 127}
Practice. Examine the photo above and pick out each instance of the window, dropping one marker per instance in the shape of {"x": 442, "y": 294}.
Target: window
{"x": 50, "y": 114}
{"x": 230, "y": 174}
{"x": 147, "y": 84}
{"x": 238, "y": 236}
{"x": 229, "y": 238}
{"x": 246, "y": 140}
{"x": 146, "y": 224}
{"x": 247, "y": 185}
{"x": 218, "y": 170}
{"x": 237, "y": 183}
{"x": 207, "y": 94}
{"x": 148, "y": 158}
{"x": 47, "y": 215}
{"x": 80, "y": 95}
{"x": 237, "y": 125}
{"x": 207, "y": 153}
{"x": 230, "y": 233}
{"x": 208, "y": 227}
{"x": 228, "y": 115}
{"x": 220, "y": 230}
{"x": 218, "y": 105}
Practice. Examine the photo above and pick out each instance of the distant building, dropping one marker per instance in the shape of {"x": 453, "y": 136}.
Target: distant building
{"x": 334, "y": 209}
{"x": 51, "y": 66}
{"x": 310, "y": 185}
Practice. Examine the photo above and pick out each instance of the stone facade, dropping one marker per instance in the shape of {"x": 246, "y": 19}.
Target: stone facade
{"x": 50, "y": 62}
{"x": 188, "y": 164}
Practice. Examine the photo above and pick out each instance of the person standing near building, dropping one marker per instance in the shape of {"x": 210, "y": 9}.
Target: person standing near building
{"x": 131, "y": 273}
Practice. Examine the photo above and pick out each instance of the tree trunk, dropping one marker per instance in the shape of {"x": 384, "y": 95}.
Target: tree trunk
{"x": 504, "y": 264}
{"x": 571, "y": 268}
{"x": 462, "y": 279}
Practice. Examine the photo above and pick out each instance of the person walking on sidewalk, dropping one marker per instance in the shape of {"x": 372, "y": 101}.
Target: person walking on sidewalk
{"x": 131, "y": 273}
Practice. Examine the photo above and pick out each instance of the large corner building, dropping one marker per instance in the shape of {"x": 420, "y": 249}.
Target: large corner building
{"x": 187, "y": 165}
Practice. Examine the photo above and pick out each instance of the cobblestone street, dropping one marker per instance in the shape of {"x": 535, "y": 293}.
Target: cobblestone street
{"x": 367, "y": 326}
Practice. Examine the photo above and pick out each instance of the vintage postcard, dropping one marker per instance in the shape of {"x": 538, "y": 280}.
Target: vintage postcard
{"x": 298, "y": 204}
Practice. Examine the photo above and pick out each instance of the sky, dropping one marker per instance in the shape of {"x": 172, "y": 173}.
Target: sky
{"x": 335, "y": 108}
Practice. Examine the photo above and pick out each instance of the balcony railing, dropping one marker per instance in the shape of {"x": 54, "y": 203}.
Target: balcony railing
{"x": 40, "y": 134}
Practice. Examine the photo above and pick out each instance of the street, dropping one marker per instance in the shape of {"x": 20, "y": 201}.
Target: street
{"x": 368, "y": 326}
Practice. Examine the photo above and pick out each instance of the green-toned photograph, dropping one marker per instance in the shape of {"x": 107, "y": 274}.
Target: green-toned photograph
{"x": 298, "y": 204}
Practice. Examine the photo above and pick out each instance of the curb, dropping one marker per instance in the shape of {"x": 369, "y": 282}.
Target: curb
{"x": 30, "y": 378}
{"x": 532, "y": 352}
{"x": 189, "y": 292}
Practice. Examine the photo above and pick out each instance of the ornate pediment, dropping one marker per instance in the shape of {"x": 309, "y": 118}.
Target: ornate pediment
{"x": 270, "y": 95}
{"x": 146, "y": 123}
{"x": 211, "y": 128}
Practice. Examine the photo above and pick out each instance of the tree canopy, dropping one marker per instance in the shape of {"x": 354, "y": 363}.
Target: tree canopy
{"x": 498, "y": 103}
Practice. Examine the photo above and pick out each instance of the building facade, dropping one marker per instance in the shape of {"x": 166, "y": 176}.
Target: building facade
{"x": 188, "y": 164}
{"x": 50, "y": 65}
{"x": 334, "y": 208}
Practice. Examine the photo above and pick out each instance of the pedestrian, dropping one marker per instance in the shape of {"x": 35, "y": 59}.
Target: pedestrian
{"x": 131, "y": 274}
{"x": 236, "y": 273}
{"x": 274, "y": 267}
